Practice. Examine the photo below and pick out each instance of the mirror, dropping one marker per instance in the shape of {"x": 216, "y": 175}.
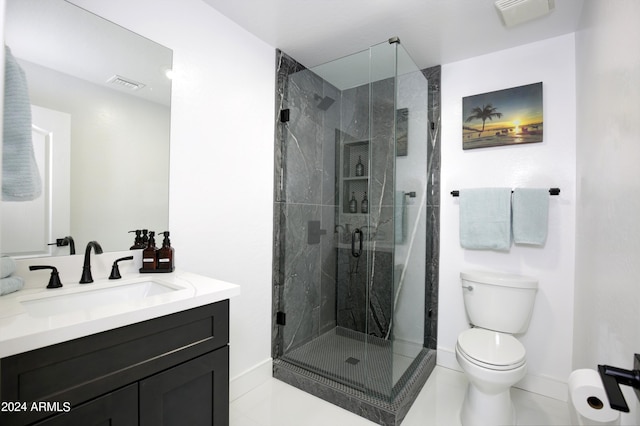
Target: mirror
{"x": 106, "y": 90}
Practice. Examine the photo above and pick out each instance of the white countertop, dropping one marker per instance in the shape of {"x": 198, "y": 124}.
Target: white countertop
{"x": 21, "y": 331}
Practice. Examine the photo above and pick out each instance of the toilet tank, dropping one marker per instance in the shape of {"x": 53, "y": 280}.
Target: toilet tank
{"x": 499, "y": 301}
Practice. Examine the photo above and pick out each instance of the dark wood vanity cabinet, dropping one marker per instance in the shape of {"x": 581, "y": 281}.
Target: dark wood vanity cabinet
{"x": 172, "y": 370}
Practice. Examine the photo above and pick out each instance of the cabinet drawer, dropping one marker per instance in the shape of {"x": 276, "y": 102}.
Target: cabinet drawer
{"x": 85, "y": 368}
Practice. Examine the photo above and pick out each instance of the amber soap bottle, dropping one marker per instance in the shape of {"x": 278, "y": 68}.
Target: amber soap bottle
{"x": 165, "y": 254}
{"x": 149, "y": 255}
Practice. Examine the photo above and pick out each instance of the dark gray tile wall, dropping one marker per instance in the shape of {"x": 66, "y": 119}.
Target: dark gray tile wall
{"x": 433, "y": 209}
{"x": 304, "y": 272}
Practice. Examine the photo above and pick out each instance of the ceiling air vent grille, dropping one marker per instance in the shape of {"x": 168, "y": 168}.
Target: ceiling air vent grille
{"x": 125, "y": 82}
{"x": 514, "y": 12}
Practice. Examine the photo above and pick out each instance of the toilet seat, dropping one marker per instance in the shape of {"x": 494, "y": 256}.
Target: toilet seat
{"x": 491, "y": 349}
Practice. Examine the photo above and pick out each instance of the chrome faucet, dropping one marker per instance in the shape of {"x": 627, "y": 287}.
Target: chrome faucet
{"x": 86, "y": 268}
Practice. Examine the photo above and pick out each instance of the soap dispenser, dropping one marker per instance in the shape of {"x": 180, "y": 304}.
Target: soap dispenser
{"x": 165, "y": 254}
{"x": 149, "y": 255}
{"x": 137, "y": 243}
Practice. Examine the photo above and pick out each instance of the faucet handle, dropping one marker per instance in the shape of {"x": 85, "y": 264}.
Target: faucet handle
{"x": 54, "y": 280}
{"x": 115, "y": 270}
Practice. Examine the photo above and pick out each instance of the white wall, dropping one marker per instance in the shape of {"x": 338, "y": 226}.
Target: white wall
{"x": 548, "y": 164}
{"x": 607, "y": 304}
{"x": 221, "y": 176}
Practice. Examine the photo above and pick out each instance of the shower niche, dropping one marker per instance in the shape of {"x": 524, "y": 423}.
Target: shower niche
{"x": 354, "y": 177}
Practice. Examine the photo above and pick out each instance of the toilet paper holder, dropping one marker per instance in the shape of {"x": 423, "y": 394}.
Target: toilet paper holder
{"x": 613, "y": 377}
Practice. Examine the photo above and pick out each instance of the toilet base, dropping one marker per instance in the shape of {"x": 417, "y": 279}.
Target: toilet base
{"x": 481, "y": 409}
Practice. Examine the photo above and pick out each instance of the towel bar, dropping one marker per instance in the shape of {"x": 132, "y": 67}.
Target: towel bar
{"x": 552, "y": 191}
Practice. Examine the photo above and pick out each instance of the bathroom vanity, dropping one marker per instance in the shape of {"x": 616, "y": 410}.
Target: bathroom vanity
{"x": 157, "y": 359}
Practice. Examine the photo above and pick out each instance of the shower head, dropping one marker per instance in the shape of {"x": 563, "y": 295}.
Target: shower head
{"x": 325, "y": 102}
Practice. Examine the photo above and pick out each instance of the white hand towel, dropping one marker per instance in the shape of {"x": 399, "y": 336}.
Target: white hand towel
{"x": 485, "y": 218}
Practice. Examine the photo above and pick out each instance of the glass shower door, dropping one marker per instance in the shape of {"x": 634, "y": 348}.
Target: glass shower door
{"x": 352, "y": 153}
{"x": 411, "y": 171}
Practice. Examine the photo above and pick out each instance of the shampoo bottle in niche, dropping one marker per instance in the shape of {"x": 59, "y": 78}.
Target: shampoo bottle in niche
{"x": 165, "y": 254}
{"x": 364, "y": 206}
{"x": 353, "y": 204}
{"x": 359, "y": 167}
{"x": 149, "y": 255}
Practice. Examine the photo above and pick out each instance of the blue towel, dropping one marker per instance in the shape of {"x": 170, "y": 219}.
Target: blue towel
{"x": 7, "y": 266}
{"x": 530, "y": 215}
{"x": 20, "y": 176}
{"x": 485, "y": 218}
{"x": 10, "y": 284}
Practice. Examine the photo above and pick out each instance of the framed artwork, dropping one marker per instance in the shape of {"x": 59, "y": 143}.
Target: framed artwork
{"x": 402, "y": 132}
{"x": 504, "y": 117}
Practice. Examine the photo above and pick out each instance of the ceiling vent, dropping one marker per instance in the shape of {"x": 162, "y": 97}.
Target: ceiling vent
{"x": 514, "y": 12}
{"x": 125, "y": 82}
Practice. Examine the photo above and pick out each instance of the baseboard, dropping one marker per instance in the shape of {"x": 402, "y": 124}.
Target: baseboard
{"x": 447, "y": 358}
{"x": 545, "y": 385}
{"x": 250, "y": 379}
{"x": 540, "y": 384}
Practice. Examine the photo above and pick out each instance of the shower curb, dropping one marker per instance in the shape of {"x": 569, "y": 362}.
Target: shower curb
{"x": 377, "y": 410}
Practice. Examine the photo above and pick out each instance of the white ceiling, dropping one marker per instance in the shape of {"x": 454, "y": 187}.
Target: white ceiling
{"x": 434, "y": 32}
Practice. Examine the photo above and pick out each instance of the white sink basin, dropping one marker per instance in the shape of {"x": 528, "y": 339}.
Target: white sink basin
{"x": 87, "y": 297}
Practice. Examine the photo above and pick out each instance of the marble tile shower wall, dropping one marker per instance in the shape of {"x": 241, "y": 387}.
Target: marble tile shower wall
{"x": 433, "y": 75}
{"x": 304, "y": 275}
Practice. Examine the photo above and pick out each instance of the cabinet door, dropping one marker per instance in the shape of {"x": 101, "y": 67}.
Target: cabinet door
{"x": 119, "y": 408}
{"x": 194, "y": 393}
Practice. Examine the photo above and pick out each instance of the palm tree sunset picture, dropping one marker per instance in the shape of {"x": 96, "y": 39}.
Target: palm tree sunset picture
{"x": 504, "y": 117}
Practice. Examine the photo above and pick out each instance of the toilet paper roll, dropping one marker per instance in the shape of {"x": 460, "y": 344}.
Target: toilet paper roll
{"x": 589, "y": 399}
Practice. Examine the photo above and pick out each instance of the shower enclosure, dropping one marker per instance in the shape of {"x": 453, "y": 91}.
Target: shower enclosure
{"x": 350, "y": 240}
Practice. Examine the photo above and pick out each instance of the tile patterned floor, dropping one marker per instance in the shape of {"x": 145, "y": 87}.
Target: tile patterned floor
{"x": 275, "y": 403}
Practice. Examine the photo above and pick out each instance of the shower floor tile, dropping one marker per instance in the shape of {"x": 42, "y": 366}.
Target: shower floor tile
{"x": 366, "y": 363}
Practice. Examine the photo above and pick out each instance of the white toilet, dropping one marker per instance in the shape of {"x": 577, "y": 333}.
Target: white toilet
{"x": 498, "y": 305}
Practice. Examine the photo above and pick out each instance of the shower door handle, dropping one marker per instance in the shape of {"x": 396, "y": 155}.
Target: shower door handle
{"x": 355, "y": 253}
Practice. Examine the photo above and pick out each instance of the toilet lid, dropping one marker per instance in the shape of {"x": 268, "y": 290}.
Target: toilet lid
{"x": 495, "y": 350}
